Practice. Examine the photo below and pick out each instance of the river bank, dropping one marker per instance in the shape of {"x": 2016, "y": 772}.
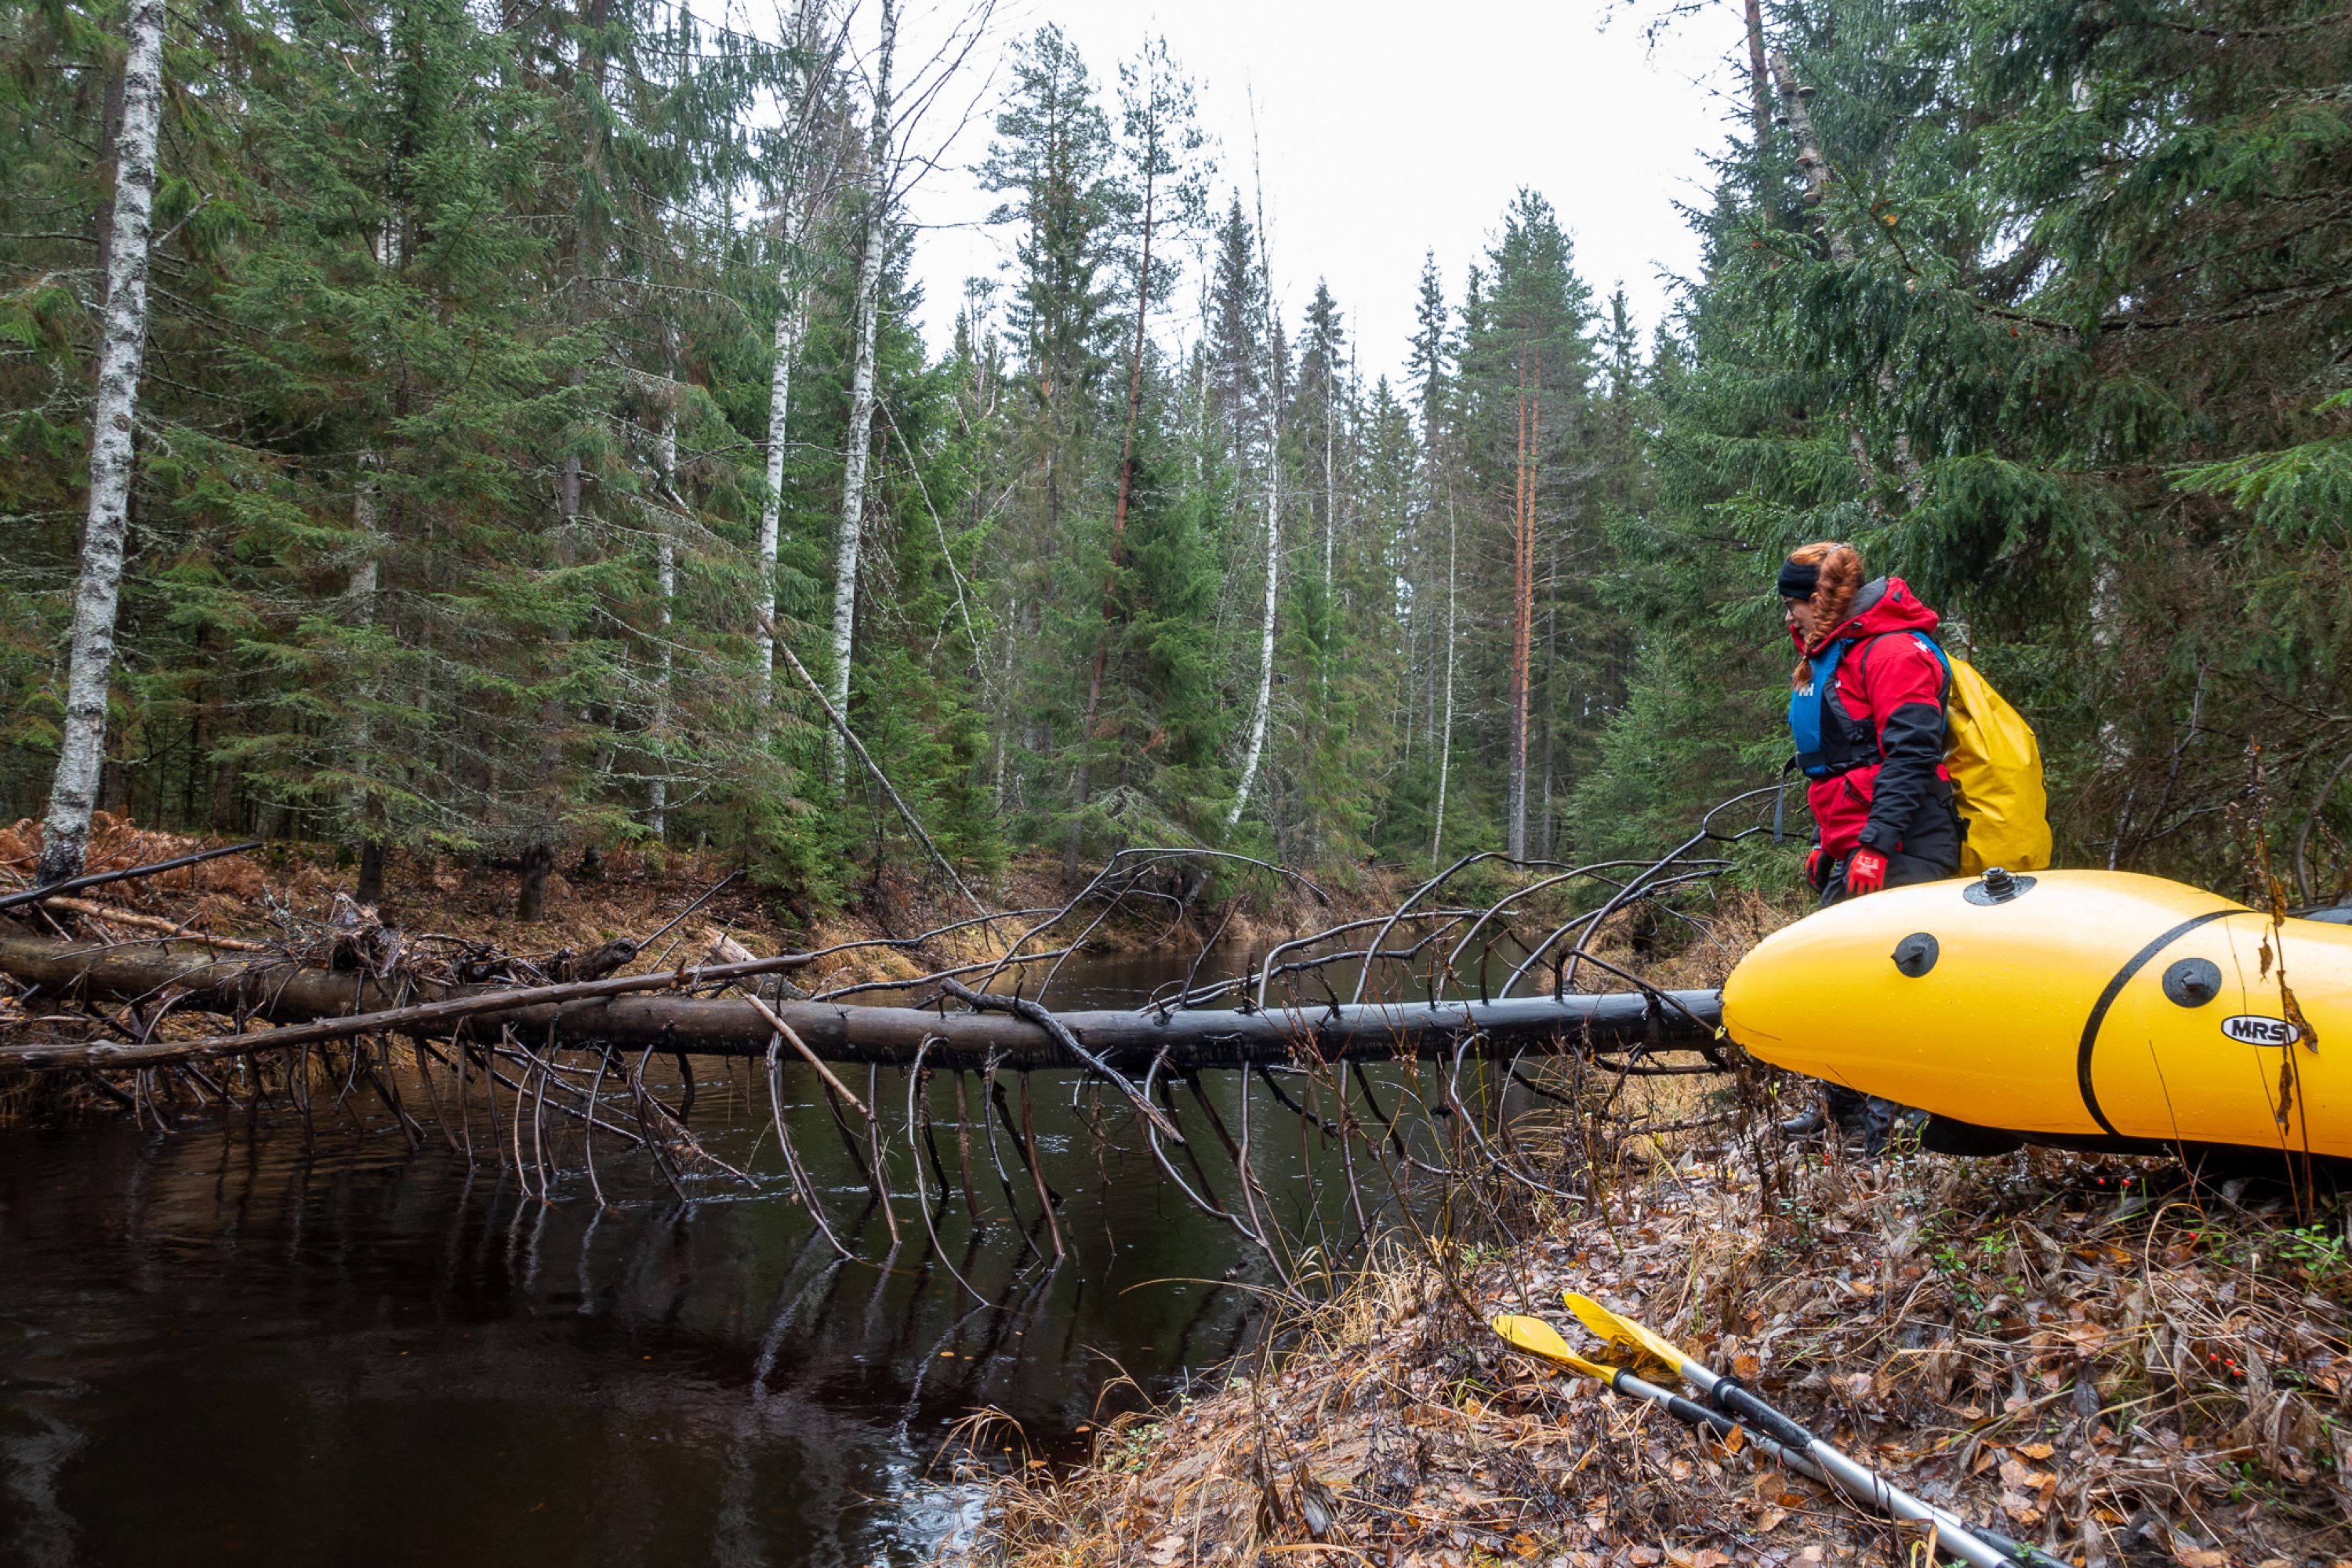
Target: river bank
{"x": 627, "y": 911}
{"x": 627, "y": 892}
{"x": 2094, "y": 1355}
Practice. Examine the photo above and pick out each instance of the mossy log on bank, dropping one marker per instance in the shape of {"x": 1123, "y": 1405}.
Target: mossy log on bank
{"x": 603, "y": 1013}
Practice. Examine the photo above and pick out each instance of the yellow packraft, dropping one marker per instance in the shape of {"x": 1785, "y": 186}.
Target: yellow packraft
{"x": 1996, "y": 768}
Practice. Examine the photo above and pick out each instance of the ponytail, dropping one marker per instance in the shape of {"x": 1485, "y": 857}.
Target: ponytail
{"x": 1840, "y": 566}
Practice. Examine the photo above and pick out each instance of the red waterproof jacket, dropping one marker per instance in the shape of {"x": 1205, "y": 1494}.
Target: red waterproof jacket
{"x": 1883, "y": 734}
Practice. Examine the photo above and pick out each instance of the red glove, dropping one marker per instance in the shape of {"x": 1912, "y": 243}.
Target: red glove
{"x": 1817, "y": 867}
{"x": 1866, "y": 872}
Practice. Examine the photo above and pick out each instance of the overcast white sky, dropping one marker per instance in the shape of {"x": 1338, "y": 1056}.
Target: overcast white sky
{"x": 1389, "y": 128}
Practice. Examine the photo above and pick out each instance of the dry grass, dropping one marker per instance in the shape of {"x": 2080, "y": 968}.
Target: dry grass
{"x": 2096, "y": 1357}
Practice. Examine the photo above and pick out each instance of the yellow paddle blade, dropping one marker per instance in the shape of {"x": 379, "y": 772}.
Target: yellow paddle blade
{"x": 1538, "y": 1338}
{"x": 1625, "y": 1334}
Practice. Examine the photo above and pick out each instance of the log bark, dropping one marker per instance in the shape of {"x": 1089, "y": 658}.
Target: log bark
{"x": 602, "y": 1014}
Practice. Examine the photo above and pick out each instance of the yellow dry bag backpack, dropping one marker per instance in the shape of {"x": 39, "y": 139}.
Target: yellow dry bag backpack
{"x": 1989, "y": 749}
{"x": 1995, "y": 767}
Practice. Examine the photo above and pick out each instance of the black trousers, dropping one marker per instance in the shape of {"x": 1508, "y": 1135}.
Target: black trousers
{"x": 1873, "y": 1117}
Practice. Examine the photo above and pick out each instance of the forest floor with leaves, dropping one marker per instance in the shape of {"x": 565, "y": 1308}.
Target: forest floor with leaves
{"x": 2096, "y": 1355}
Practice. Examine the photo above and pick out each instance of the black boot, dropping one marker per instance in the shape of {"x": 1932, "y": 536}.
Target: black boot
{"x": 1883, "y": 1119}
{"x": 1805, "y": 1122}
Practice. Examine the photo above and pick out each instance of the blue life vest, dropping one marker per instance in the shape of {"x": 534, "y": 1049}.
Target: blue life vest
{"x": 1809, "y": 703}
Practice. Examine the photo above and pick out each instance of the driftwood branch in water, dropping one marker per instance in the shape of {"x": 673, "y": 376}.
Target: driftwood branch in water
{"x": 327, "y": 1003}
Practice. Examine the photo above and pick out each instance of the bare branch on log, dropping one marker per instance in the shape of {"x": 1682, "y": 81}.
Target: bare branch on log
{"x": 1023, "y": 1007}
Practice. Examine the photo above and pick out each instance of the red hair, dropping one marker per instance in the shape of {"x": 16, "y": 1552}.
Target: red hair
{"x": 1839, "y": 565}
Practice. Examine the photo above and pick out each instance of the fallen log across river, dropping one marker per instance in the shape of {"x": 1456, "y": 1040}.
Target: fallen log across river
{"x": 655, "y": 1012}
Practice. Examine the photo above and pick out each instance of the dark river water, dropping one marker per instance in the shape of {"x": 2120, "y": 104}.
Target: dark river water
{"x": 217, "y": 1348}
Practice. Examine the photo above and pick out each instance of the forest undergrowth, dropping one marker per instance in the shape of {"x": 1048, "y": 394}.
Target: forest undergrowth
{"x": 2100, "y": 1356}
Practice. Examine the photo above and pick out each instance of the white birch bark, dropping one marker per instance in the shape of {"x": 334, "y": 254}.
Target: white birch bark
{"x": 665, "y": 592}
{"x": 1265, "y": 636}
{"x": 1004, "y": 702}
{"x": 360, "y": 581}
{"x": 790, "y": 319}
{"x": 792, "y": 324}
{"x": 81, "y": 751}
{"x": 1273, "y": 513}
{"x": 861, "y": 400}
{"x": 1445, "y": 726}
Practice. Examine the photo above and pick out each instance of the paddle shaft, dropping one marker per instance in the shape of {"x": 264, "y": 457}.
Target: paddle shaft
{"x": 1979, "y": 1547}
{"x": 1693, "y": 1413}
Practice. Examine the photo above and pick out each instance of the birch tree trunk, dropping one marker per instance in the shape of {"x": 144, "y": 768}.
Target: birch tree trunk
{"x": 1331, "y": 532}
{"x": 1759, "y": 92}
{"x": 861, "y": 399}
{"x": 1331, "y": 479}
{"x": 1273, "y": 591}
{"x": 1273, "y": 513}
{"x": 791, "y": 321}
{"x": 665, "y": 592}
{"x": 1815, "y": 168}
{"x": 81, "y": 751}
{"x": 792, "y": 324}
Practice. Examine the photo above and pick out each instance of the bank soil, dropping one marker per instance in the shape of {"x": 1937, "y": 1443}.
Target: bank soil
{"x": 616, "y": 893}
{"x": 2100, "y": 1357}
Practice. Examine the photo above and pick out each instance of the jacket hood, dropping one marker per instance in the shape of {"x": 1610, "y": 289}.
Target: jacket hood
{"x": 1884, "y": 604}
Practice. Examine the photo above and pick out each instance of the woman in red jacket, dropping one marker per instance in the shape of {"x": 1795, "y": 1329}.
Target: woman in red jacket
{"x": 1866, "y": 709}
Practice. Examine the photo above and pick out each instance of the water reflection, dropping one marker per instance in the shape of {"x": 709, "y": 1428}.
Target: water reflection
{"x": 218, "y": 1345}
{"x": 215, "y": 1347}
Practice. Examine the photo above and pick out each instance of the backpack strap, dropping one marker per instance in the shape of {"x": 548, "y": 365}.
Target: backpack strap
{"x": 1859, "y": 734}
